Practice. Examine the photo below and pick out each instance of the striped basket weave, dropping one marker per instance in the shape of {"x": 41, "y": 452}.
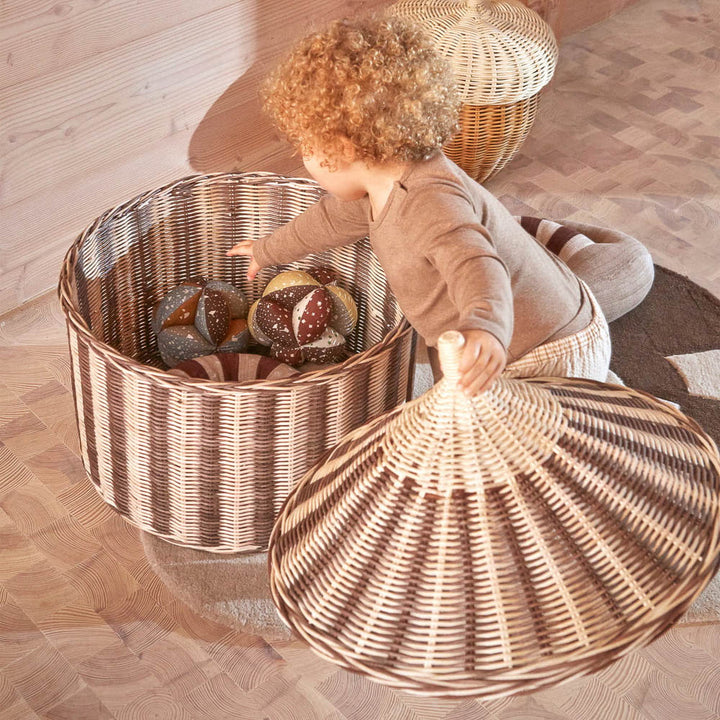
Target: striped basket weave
{"x": 200, "y": 463}
{"x": 502, "y": 54}
{"x": 499, "y": 544}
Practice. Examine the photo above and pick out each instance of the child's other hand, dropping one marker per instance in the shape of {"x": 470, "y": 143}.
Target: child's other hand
{"x": 245, "y": 248}
{"x": 482, "y": 361}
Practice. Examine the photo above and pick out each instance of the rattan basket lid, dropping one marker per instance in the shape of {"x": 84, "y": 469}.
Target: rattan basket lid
{"x": 499, "y": 544}
{"x": 501, "y": 51}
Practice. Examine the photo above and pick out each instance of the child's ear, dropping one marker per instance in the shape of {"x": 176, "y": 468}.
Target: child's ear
{"x": 349, "y": 153}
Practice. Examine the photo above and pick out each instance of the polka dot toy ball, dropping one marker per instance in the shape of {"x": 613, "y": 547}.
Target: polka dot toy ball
{"x": 201, "y": 317}
{"x": 304, "y": 317}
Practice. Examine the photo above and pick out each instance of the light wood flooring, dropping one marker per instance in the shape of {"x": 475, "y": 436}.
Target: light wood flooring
{"x": 629, "y": 136}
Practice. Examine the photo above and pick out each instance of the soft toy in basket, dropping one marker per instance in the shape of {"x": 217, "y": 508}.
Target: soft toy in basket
{"x": 304, "y": 317}
{"x": 200, "y": 317}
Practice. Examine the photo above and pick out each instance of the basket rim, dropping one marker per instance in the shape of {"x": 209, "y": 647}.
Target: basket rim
{"x": 73, "y": 317}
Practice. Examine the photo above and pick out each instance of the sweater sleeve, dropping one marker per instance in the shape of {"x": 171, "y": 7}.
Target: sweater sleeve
{"x": 460, "y": 247}
{"x": 328, "y": 223}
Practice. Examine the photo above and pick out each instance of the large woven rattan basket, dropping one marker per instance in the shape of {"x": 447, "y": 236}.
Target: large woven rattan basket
{"x": 208, "y": 464}
{"x": 502, "y": 54}
{"x": 500, "y": 544}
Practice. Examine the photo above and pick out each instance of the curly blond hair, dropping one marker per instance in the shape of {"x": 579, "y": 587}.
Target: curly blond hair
{"x": 376, "y": 80}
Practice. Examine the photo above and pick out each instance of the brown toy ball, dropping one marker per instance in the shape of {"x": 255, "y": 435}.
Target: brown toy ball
{"x": 200, "y": 317}
{"x": 304, "y": 317}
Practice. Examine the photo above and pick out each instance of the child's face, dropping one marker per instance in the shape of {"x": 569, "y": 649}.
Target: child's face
{"x": 345, "y": 181}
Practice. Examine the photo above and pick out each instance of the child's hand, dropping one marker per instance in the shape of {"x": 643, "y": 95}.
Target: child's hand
{"x": 245, "y": 248}
{"x": 482, "y": 361}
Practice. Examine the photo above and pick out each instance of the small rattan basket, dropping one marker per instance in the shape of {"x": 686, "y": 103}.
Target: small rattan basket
{"x": 499, "y": 544}
{"x": 502, "y": 54}
{"x": 199, "y": 463}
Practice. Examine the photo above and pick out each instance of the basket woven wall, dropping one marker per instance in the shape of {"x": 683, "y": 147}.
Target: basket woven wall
{"x": 499, "y": 544}
{"x": 502, "y": 54}
{"x": 201, "y": 463}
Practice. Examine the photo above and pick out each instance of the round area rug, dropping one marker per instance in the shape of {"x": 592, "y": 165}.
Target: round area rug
{"x": 668, "y": 346}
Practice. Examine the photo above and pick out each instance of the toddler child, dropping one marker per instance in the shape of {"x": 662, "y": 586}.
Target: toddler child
{"x": 368, "y": 103}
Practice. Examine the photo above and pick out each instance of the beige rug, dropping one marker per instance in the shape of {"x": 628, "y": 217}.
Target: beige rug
{"x": 231, "y": 589}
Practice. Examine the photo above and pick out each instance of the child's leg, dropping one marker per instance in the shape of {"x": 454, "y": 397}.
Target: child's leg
{"x": 586, "y": 354}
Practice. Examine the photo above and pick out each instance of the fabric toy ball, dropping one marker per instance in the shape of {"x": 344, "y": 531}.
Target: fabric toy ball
{"x": 304, "y": 317}
{"x": 200, "y": 317}
{"x": 233, "y": 367}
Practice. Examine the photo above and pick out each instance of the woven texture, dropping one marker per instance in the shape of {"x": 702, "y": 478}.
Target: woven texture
{"x": 500, "y": 544}
{"x": 490, "y": 136}
{"x": 201, "y": 463}
{"x": 502, "y": 54}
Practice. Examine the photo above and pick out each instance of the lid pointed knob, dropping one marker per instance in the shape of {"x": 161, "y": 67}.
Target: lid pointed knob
{"x": 450, "y": 349}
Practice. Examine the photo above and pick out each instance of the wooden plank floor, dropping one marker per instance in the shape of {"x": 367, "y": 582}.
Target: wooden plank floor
{"x": 629, "y": 136}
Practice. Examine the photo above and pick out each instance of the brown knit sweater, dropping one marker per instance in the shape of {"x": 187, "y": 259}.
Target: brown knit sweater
{"x": 454, "y": 257}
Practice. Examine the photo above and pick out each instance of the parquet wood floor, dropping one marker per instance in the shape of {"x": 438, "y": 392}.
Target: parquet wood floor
{"x": 628, "y": 135}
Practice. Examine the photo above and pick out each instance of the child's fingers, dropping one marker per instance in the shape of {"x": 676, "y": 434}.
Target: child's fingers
{"x": 253, "y": 270}
{"x": 469, "y": 357}
{"x": 242, "y": 248}
{"x": 245, "y": 248}
{"x": 474, "y": 378}
{"x": 480, "y": 376}
{"x": 471, "y": 375}
{"x": 482, "y": 380}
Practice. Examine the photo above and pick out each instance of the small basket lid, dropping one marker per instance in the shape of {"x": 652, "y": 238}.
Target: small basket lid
{"x": 497, "y": 544}
{"x": 501, "y": 51}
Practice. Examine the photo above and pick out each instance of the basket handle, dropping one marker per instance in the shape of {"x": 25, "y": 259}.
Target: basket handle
{"x": 450, "y": 349}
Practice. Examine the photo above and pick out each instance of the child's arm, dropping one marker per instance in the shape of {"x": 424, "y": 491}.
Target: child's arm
{"x": 460, "y": 247}
{"x": 326, "y": 224}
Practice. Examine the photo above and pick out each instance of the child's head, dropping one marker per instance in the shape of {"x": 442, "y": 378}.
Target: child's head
{"x": 375, "y": 81}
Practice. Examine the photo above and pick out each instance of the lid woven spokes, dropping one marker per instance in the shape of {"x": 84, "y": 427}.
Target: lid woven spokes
{"x": 447, "y": 440}
{"x": 484, "y": 546}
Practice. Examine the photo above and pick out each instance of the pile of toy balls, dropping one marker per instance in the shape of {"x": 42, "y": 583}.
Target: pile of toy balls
{"x": 302, "y": 317}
